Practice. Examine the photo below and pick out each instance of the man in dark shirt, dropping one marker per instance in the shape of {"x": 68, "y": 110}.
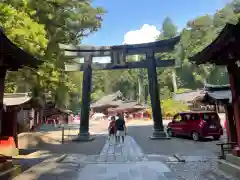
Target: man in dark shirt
{"x": 121, "y": 128}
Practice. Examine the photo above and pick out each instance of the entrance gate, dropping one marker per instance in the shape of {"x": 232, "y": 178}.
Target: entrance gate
{"x": 118, "y": 56}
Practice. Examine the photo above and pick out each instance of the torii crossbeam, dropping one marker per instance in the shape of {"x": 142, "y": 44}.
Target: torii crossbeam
{"x": 118, "y": 56}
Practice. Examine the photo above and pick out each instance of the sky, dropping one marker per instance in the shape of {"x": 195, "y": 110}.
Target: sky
{"x": 139, "y": 21}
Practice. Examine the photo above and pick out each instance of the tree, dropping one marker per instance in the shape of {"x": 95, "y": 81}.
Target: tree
{"x": 65, "y": 21}
{"x": 168, "y": 76}
{"x": 27, "y": 34}
{"x": 169, "y": 29}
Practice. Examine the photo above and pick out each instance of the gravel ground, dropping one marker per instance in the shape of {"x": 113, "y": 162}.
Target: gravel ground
{"x": 196, "y": 171}
{"x": 168, "y": 147}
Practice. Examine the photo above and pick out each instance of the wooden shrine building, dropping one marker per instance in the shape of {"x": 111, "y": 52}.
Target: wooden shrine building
{"x": 117, "y": 56}
{"x": 11, "y": 59}
{"x": 222, "y": 95}
{"x": 225, "y": 51}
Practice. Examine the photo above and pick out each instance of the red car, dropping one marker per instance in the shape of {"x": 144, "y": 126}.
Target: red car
{"x": 196, "y": 124}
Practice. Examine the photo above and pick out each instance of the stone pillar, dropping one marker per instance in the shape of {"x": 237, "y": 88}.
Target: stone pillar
{"x": 2, "y": 79}
{"x": 86, "y": 98}
{"x": 158, "y": 131}
{"x": 145, "y": 94}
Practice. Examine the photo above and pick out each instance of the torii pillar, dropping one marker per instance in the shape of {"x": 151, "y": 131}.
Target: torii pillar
{"x": 86, "y": 99}
{"x": 118, "y": 61}
{"x": 158, "y": 128}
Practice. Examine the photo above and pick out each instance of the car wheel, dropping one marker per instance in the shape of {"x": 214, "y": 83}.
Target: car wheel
{"x": 195, "y": 136}
{"x": 216, "y": 137}
{"x": 170, "y": 133}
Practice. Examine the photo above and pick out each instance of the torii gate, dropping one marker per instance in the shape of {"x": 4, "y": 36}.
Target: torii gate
{"x": 118, "y": 61}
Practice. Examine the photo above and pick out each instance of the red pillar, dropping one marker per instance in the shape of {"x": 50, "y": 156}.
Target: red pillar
{"x": 230, "y": 125}
{"x": 236, "y": 106}
{"x": 229, "y": 138}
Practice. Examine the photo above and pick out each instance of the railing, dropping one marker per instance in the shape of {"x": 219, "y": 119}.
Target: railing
{"x": 69, "y": 131}
{"x": 60, "y": 132}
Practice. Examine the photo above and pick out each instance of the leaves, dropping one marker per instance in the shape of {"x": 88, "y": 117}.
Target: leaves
{"x": 38, "y": 26}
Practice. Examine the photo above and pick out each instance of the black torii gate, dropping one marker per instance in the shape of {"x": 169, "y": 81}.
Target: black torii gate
{"x": 118, "y": 61}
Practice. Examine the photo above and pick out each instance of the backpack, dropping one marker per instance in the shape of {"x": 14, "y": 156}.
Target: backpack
{"x": 112, "y": 127}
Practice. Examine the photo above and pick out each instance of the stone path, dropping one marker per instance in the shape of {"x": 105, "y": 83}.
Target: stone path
{"x": 121, "y": 163}
{"x": 128, "y": 162}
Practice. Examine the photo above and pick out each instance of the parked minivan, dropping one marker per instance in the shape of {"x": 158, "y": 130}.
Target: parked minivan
{"x": 196, "y": 124}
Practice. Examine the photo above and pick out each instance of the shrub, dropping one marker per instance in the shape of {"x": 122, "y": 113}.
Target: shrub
{"x": 170, "y": 108}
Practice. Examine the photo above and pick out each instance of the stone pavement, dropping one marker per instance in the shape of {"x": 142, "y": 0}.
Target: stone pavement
{"x": 124, "y": 163}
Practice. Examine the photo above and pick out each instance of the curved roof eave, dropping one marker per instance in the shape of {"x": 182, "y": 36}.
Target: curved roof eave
{"x": 208, "y": 54}
{"x": 23, "y": 58}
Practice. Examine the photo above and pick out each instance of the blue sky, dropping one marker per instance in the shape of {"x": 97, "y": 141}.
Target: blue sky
{"x": 130, "y": 15}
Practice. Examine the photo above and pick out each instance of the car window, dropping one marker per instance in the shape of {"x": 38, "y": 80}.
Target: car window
{"x": 210, "y": 117}
{"x": 185, "y": 117}
{"x": 177, "y": 117}
{"x": 195, "y": 117}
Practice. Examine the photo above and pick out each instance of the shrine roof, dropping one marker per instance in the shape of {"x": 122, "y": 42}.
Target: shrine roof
{"x": 189, "y": 96}
{"x": 14, "y": 99}
{"x": 218, "y": 93}
{"x": 108, "y": 100}
{"x": 55, "y": 111}
{"x": 219, "y": 51}
{"x": 13, "y": 56}
{"x": 212, "y": 87}
{"x": 126, "y": 105}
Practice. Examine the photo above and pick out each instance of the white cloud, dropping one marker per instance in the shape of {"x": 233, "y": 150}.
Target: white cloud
{"x": 147, "y": 33}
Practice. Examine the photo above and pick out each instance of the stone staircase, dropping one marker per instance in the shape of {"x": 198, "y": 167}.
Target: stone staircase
{"x": 231, "y": 165}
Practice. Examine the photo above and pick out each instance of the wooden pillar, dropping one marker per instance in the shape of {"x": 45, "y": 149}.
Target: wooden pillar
{"x": 2, "y": 79}
{"x": 235, "y": 102}
{"x": 216, "y": 107}
{"x": 230, "y": 124}
{"x": 15, "y": 125}
{"x": 158, "y": 132}
{"x": 86, "y": 98}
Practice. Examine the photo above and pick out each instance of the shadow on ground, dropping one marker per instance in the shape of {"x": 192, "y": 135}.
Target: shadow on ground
{"x": 182, "y": 146}
{"x": 52, "y": 171}
{"x": 70, "y": 147}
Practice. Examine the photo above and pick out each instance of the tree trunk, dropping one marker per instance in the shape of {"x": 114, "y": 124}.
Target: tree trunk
{"x": 174, "y": 81}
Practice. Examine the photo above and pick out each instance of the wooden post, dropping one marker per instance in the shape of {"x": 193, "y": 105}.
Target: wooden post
{"x": 230, "y": 125}
{"x": 62, "y": 134}
{"x": 2, "y": 79}
{"x": 236, "y": 103}
{"x": 15, "y": 125}
{"x": 158, "y": 132}
{"x": 86, "y": 98}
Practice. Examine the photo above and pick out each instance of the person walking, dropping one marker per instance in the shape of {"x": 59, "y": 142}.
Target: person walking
{"x": 112, "y": 131}
{"x": 121, "y": 129}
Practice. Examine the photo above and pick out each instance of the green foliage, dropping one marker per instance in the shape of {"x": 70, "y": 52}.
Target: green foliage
{"x": 20, "y": 28}
{"x": 39, "y": 26}
{"x": 198, "y": 34}
{"x": 171, "y": 107}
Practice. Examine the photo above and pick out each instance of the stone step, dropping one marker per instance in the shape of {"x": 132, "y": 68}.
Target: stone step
{"x": 229, "y": 168}
{"x": 233, "y": 159}
{"x": 10, "y": 172}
